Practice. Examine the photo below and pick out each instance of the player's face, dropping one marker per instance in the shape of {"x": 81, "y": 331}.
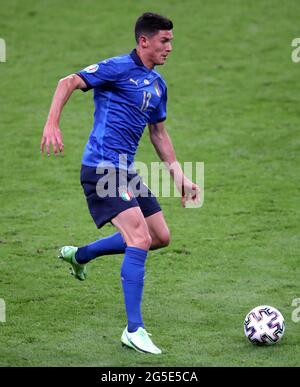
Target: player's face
{"x": 160, "y": 46}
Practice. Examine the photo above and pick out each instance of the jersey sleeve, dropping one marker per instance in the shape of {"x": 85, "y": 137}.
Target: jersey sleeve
{"x": 160, "y": 113}
{"x": 98, "y": 74}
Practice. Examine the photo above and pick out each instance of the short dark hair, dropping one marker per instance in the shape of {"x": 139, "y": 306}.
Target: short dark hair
{"x": 150, "y": 23}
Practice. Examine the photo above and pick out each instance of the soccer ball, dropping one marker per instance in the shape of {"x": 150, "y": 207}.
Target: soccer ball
{"x": 264, "y": 325}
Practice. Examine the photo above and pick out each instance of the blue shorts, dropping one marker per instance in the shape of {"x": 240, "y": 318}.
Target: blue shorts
{"x": 113, "y": 191}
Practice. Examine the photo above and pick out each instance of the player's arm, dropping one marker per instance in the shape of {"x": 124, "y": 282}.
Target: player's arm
{"x": 52, "y": 134}
{"x": 165, "y": 150}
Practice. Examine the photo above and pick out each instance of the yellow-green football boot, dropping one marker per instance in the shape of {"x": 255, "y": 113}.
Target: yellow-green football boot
{"x": 78, "y": 270}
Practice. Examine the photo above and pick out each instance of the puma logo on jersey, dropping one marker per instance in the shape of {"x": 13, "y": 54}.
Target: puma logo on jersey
{"x": 133, "y": 81}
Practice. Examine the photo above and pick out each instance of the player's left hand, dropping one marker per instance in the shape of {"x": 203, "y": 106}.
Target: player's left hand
{"x": 190, "y": 193}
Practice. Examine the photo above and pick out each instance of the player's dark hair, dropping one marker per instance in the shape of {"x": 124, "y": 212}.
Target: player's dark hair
{"x": 150, "y": 23}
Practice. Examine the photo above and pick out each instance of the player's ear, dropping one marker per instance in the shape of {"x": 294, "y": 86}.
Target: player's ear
{"x": 143, "y": 41}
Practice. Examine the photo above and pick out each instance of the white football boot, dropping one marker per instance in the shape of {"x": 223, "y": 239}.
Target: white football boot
{"x": 140, "y": 341}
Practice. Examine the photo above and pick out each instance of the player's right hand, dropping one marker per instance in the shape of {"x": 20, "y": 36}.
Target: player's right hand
{"x": 52, "y": 135}
{"x": 190, "y": 193}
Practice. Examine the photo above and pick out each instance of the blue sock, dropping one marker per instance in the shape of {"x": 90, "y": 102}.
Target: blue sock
{"x": 114, "y": 244}
{"x": 132, "y": 276}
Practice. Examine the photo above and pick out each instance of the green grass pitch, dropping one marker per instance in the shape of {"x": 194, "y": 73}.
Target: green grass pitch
{"x": 233, "y": 104}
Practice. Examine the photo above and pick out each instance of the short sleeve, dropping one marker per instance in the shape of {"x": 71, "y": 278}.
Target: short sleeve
{"x": 160, "y": 113}
{"x": 99, "y": 74}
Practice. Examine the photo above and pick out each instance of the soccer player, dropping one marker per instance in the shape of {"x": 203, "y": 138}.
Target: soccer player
{"x": 128, "y": 95}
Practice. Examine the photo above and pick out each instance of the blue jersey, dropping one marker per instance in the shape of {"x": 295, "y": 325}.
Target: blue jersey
{"x": 127, "y": 97}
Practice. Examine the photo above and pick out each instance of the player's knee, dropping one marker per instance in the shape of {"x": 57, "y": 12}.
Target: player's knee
{"x": 161, "y": 240}
{"x": 164, "y": 238}
{"x": 139, "y": 237}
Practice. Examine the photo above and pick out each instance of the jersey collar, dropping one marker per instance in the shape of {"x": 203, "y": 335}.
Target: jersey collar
{"x": 137, "y": 60}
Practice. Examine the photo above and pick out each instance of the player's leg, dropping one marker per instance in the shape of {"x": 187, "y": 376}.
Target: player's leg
{"x": 115, "y": 244}
{"x": 134, "y": 229}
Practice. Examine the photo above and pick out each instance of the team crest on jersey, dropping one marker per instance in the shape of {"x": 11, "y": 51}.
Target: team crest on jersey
{"x": 125, "y": 194}
{"x": 157, "y": 89}
{"x": 91, "y": 69}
